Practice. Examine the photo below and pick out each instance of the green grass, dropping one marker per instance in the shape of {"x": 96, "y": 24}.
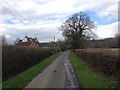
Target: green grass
{"x": 22, "y": 79}
{"x": 85, "y": 75}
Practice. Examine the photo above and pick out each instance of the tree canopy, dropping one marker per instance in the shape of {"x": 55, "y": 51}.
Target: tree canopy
{"x": 78, "y": 28}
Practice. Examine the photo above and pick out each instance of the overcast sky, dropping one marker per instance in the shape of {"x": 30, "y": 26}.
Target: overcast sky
{"x": 42, "y": 18}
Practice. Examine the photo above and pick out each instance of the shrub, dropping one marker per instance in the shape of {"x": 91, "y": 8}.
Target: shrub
{"x": 17, "y": 59}
{"x": 103, "y": 61}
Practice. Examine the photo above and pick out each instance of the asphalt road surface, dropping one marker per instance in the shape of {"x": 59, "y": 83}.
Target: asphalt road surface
{"x": 54, "y": 76}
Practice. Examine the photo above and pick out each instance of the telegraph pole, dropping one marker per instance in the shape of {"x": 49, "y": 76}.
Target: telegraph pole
{"x": 54, "y": 38}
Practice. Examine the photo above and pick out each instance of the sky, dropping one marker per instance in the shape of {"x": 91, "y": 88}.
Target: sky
{"x": 42, "y": 18}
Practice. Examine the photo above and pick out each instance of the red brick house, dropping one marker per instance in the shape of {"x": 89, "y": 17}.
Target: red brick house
{"x": 28, "y": 42}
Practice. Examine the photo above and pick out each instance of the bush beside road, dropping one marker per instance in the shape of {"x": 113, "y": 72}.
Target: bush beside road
{"x": 22, "y": 79}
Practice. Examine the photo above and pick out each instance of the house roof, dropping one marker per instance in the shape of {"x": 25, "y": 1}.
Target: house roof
{"x": 28, "y": 41}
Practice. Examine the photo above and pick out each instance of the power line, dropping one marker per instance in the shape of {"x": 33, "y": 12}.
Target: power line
{"x": 20, "y": 13}
{"x": 23, "y": 12}
{"x": 21, "y": 9}
{"x": 17, "y": 14}
{"x": 12, "y": 13}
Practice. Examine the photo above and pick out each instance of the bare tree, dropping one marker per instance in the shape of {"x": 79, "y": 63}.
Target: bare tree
{"x": 77, "y": 29}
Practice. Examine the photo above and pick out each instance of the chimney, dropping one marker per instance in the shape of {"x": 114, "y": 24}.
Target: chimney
{"x": 27, "y": 38}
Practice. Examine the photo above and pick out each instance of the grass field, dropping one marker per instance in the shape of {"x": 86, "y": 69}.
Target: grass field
{"x": 85, "y": 76}
{"x": 113, "y": 51}
{"x": 22, "y": 79}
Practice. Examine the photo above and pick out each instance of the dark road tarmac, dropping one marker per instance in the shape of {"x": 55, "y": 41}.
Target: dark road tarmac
{"x": 52, "y": 77}
{"x": 59, "y": 74}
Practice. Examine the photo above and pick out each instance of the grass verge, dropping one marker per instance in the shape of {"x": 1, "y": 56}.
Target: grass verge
{"x": 85, "y": 76}
{"x": 22, "y": 79}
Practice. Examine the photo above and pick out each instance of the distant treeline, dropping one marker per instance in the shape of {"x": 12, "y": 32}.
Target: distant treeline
{"x": 17, "y": 59}
{"x": 101, "y": 43}
{"x": 104, "y": 43}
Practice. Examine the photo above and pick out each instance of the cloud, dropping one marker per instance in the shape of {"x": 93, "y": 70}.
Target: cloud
{"x": 105, "y": 31}
{"x": 42, "y": 18}
{"x": 110, "y": 10}
{"x": 44, "y": 32}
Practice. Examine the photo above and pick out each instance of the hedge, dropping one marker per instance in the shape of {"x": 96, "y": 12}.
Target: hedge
{"x": 17, "y": 59}
{"x": 107, "y": 63}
